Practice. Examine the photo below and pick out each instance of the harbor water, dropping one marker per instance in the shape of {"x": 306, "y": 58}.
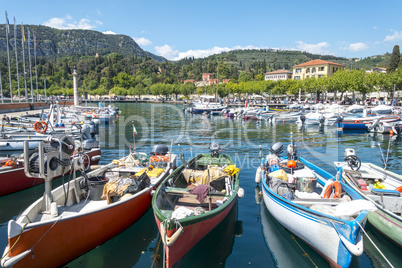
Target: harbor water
{"x": 249, "y": 236}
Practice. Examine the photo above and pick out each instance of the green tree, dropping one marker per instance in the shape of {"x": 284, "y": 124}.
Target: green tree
{"x": 394, "y": 61}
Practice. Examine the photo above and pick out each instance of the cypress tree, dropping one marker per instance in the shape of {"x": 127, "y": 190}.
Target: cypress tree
{"x": 395, "y": 58}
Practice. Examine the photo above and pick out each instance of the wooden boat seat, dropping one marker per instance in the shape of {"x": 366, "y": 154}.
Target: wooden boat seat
{"x": 175, "y": 190}
{"x": 191, "y": 201}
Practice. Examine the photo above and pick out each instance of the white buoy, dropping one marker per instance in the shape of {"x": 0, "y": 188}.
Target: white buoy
{"x": 240, "y": 193}
{"x": 258, "y": 175}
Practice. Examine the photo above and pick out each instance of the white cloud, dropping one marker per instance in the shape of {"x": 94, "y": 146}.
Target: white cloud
{"x": 166, "y": 51}
{"x": 395, "y": 37}
{"x": 357, "y": 47}
{"x": 313, "y": 48}
{"x": 319, "y": 48}
{"x": 69, "y": 23}
{"x": 172, "y": 54}
{"x": 142, "y": 41}
{"x": 109, "y": 32}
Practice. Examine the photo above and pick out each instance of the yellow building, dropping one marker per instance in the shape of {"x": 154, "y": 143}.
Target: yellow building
{"x": 315, "y": 68}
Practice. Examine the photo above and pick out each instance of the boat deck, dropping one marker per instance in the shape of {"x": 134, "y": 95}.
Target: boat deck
{"x": 82, "y": 207}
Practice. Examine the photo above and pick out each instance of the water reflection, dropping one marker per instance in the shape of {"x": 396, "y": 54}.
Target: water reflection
{"x": 214, "y": 248}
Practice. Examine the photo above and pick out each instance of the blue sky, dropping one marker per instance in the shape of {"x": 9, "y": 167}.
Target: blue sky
{"x": 176, "y": 29}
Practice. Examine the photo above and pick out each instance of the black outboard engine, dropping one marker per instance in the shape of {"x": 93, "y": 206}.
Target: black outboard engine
{"x": 338, "y": 120}
{"x": 321, "y": 120}
{"x": 159, "y": 149}
{"x": 398, "y": 129}
{"x": 374, "y": 125}
{"x": 215, "y": 149}
{"x": 276, "y": 148}
{"x": 303, "y": 118}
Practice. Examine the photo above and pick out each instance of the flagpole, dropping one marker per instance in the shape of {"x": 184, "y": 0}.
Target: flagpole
{"x": 23, "y": 60}
{"x": 29, "y": 59}
{"x": 1, "y": 88}
{"x": 36, "y": 73}
{"x": 8, "y": 58}
{"x": 16, "y": 59}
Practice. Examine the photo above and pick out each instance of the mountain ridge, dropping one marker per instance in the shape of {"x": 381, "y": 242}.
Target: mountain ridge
{"x": 60, "y": 43}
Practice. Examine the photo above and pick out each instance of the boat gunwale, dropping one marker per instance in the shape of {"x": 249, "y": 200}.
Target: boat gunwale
{"x": 360, "y": 218}
{"x": 366, "y": 197}
{"x": 59, "y": 218}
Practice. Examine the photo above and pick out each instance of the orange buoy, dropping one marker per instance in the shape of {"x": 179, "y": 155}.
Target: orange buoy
{"x": 40, "y": 126}
{"x": 291, "y": 164}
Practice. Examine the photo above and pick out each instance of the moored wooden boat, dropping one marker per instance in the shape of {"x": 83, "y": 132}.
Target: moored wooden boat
{"x": 381, "y": 187}
{"x": 182, "y": 216}
{"x": 73, "y": 218}
{"x": 292, "y": 189}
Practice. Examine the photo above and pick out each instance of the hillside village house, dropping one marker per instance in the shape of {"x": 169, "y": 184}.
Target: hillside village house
{"x": 278, "y": 75}
{"x": 207, "y": 80}
{"x": 315, "y": 68}
{"x": 206, "y": 77}
{"x": 378, "y": 70}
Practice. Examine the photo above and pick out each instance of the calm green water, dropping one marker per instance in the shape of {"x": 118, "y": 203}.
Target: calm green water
{"x": 249, "y": 236}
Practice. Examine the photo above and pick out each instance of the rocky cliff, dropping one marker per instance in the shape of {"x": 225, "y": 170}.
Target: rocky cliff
{"x": 53, "y": 42}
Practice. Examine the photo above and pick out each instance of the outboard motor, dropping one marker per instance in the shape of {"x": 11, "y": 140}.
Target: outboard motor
{"x": 398, "y": 129}
{"x": 338, "y": 120}
{"x": 321, "y": 120}
{"x": 276, "y": 148}
{"x": 89, "y": 144}
{"x": 86, "y": 132}
{"x": 374, "y": 125}
{"x": 214, "y": 148}
{"x": 159, "y": 149}
{"x": 302, "y": 118}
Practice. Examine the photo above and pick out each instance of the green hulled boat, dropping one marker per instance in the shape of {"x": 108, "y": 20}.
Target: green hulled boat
{"x": 194, "y": 199}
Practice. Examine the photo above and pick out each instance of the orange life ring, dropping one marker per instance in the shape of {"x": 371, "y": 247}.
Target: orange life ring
{"x": 158, "y": 158}
{"x": 399, "y": 189}
{"x": 357, "y": 122}
{"x": 10, "y": 163}
{"x": 338, "y": 190}
{"x": 40, "y": 126}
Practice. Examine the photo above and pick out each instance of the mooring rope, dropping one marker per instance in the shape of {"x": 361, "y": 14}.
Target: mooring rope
{"x": 22, "y": 230}
{"x": 305, "y": 253}
{"x": 156, "y": 251}
{"x": 382, "y": 254}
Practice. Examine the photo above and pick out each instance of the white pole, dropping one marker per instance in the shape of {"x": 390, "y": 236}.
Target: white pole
{"x": 8, "y": 58}
{"x": 16, "y": 60}
{"x": 30, "y": 65}
{"x": 75, "y": 85}
{"x": 23, "y": 60}
{"x": 1, "y": 88}
{"x": 36, "y": 72}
